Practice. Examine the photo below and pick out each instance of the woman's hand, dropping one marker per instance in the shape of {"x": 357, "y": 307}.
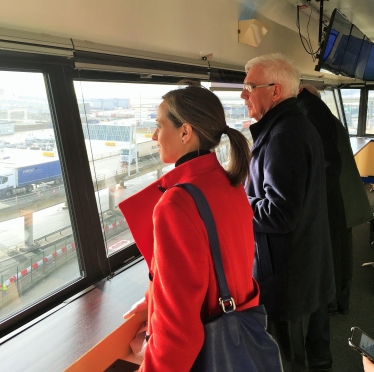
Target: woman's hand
{"x": 368, "y": 365}
{"x": 138, "y": 307}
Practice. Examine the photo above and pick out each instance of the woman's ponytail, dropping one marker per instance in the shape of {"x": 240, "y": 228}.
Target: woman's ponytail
{"x": 240, "y": 157}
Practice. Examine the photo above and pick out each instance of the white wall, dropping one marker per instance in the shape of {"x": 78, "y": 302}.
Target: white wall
{"x": 177, "y": 27}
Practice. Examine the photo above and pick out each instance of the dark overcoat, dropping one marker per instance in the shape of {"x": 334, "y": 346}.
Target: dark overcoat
{"x": 287, "y": 191}
{"x": 324, "y": 121}
{"x": 356, "y": 203}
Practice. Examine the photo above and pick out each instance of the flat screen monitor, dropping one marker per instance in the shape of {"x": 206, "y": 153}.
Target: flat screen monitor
{"x": 363, "y": 58}
{"x": 335, "y": 43}
{"x": 352, "y": 52}
{"x": 369, "y": 69}
{"x": 346, "y": 50}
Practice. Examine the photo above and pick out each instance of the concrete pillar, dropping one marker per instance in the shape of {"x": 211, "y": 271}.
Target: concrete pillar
{"x": 159, "y": 172}
{"x": 29, "y": 228}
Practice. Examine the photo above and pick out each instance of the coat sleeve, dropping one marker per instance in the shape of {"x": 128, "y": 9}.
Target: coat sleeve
{"x": 285, "y": 176}
{"x": 180, "y": 285}
{"x": 323, "y": 121}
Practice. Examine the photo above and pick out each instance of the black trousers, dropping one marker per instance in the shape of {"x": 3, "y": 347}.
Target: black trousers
{"x": 317, "y": 343}
{"x": 343, "y": 273}
{"x": 291, "y": 336}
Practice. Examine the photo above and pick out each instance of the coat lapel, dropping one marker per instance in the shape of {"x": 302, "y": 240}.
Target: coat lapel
{"x": 138, "y": 209}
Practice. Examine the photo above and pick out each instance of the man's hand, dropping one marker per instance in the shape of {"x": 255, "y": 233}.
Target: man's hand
{"x": 368, "y": 365}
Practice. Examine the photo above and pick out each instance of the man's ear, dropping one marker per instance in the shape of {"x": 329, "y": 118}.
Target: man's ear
{"x": 277, "y": 92}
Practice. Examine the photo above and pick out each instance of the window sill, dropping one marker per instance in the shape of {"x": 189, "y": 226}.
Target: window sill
{"x": 59, "y": 340}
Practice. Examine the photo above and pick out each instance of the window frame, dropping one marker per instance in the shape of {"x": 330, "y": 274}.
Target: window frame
{"x": 58, "y": 76}
{"x": 369, "y": 88}
{"x": 339, "y": 105}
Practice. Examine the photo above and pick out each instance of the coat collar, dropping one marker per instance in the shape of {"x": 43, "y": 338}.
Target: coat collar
{"x": 260, "y": 129}
{"x": 186, "y": 170}
{"x": 138, "y": 209}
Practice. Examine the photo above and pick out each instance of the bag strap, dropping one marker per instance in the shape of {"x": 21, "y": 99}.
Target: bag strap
{"x": 226, "y": 301}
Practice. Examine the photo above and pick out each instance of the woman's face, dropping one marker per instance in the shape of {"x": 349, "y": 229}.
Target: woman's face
{"x": 169, "y": 138}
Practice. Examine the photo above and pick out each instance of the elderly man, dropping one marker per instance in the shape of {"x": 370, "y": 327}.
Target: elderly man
{"x": 293, "y": 261}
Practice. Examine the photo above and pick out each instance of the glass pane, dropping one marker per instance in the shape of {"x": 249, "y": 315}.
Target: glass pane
{"x": 328, "y": 97}
{"x": 351, "y": 103}
{"x": 118, "y": 121}
{"x": 37, "y": 249}
{"x": 236, "y": 112}
{"x": 370, "y": 114}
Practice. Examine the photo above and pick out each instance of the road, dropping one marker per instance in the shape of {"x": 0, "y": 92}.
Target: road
{"x": 105, "y": 162}
{"x": 57, "y": 217}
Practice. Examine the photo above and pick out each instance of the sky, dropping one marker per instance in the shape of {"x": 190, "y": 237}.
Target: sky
{"x": 14, "y": 84}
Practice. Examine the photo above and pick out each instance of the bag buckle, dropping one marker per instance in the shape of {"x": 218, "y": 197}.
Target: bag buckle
{"x": 227, "y": 306}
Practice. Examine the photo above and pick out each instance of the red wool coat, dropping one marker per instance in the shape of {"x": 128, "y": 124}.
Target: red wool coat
{"x": 172, "y": 238}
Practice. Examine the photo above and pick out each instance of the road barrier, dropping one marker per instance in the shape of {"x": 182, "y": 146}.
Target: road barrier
{"x": 21, "y": 274}
{"x": 109, "y": 229}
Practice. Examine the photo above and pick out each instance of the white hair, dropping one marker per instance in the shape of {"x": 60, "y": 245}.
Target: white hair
{"x": 278, "y": 69}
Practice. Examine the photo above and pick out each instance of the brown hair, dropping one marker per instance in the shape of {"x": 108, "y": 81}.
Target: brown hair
{"x": 203, "y": 110}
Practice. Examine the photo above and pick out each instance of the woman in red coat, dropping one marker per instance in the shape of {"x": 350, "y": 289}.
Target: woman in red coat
{"x": 172, "y": 237}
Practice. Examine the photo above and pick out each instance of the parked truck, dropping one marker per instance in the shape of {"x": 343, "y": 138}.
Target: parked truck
{"x": 142, "y": 151}
{"x": 19, "y": 179}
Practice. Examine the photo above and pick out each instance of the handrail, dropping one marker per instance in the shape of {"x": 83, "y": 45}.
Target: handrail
{"x": 44, "y": 237}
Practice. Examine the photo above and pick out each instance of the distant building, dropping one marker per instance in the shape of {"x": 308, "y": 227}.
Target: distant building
{"x": 6, "y": 127}
{"x": 235, "y": 112}
{"x": 109, "y": 103}
{"x": 108, "y": 132}
{"x": 84, "y": 108}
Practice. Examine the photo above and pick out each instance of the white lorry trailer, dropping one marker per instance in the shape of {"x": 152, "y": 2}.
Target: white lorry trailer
{"x": 140, "y": 151}
{"x": 19, "y": 179}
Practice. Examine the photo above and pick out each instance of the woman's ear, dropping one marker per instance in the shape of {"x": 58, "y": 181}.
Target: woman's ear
{"x": 190, "y": 139}
{"x": 186, "y": 132}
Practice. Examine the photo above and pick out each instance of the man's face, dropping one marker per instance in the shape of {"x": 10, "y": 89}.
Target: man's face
{"x": 260, "y": 100}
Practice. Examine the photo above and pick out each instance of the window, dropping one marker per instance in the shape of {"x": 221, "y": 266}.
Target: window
{"x": 351, "y": 103}
{"x": 328, "y": 97}
{"x": 118, "y": 121}
{"x": 235, "y": 110}
{"x": 37, "y": 250}
{"x": 370, "y": 113}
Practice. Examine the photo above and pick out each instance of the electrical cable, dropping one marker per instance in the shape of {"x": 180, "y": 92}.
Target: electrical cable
{"x": 307, "y": 30}
{"x": 300, "y": 35}
{"x": 307, "y": 44}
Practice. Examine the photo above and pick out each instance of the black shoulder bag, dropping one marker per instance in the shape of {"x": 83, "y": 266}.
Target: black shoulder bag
{"x": 235, "y": 341}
